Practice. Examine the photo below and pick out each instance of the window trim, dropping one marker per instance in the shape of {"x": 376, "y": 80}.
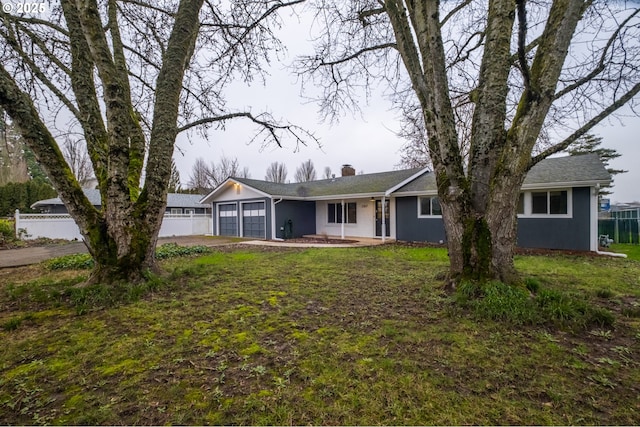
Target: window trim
{"x": 528, "y": 204}
{"x": 420, "y": 215}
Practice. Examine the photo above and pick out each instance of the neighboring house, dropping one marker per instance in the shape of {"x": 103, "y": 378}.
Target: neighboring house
{"x": 558, "y": 207}
{"x": 625, "y": 210}
{"x": 177, "y": 204}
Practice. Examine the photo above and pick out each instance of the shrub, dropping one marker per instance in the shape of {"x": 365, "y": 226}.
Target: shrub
{"x": 70, "y": 262}
{"x": 513, "y": 304}
{"x": 84, "y": 261}
{"x": 7, "y": 233}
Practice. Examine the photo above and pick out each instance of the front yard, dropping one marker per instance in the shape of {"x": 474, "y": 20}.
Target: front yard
{"x": 321, "y": 336}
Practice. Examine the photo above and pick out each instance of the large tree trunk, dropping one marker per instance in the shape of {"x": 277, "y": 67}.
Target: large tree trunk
{"x": 122, "y": 235}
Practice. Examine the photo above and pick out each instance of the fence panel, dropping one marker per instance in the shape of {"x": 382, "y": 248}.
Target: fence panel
{"x": 620, "y": 230}
{"x": 50, "y": 226}
{"x": 185, "y": 225}
{"x": 62, "y": 226}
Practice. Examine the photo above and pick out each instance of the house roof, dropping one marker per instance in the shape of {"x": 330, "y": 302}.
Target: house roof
{"x": 174, "y": 200}
{"x": 581, "y": 170}
{"x": 346, "y": 186}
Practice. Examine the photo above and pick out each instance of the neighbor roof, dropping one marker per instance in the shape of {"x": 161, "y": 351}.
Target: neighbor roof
{"x": 174, "y": 200}
{"x": 585, "y": 170}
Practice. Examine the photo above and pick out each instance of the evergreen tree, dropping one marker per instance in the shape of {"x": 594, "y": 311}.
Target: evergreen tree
{"x": 591, "y": 144}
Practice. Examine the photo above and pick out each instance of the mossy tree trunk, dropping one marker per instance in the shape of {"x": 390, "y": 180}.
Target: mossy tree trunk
{"x": 479, "y": 204}
{"x": 122, "y": 235}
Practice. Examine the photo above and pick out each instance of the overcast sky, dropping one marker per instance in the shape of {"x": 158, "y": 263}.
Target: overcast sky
{"x": 367, "y": 141}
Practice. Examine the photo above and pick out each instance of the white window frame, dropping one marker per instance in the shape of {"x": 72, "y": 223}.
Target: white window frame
{"x": 528, "y": 204}
{"x": 189, "y": 211}
{"x": 176, "y": 211}
{"x": 338, "y": 205}
{"x": 430, "y": 207}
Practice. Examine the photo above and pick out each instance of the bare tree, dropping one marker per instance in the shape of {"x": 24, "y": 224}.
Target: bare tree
{"x": 533, "y": 76}
{"x": 205, "y": 178}
{"x": 75, "y": 153}
{"x": 327, "y": 173}
{"x": 276, "y": 172}
{"x": 306, "y": 172}
{"x": 131, "y": 75}
{"x": 174, "y": 180}
{"x": 199, "y": 178}
{"x": 225, "y": 168}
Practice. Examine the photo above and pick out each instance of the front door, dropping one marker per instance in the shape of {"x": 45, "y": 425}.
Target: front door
{"x": 379, "y": 218}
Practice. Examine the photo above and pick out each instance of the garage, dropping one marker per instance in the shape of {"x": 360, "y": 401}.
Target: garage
{"x": 253, "y": 220}
{"x": 228, "y": 219}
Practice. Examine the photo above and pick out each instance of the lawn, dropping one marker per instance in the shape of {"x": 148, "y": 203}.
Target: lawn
{"x": 632, "y": 251}
{"x": 320, "y": 336}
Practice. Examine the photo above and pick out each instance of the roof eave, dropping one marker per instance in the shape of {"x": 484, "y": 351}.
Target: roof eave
{"x": 567, "y": 184}
{"x": 406, "y": 181}
{"x": 209, "y": 197}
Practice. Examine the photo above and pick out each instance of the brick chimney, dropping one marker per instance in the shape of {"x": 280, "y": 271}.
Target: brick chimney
{"x": 348, "y": 170}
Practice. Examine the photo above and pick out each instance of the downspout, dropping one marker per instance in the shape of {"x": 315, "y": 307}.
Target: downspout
{"x": 273, "y": 219}
{"x": 342, "y": 220}
{"x": 595, "y": 239}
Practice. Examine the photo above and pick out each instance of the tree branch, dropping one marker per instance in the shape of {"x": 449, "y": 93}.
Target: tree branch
{"x": 601, "y": 64}
{"x": 522, "y": 38}
{"x": 356, "y": 54}
{"x": 250, "y": 27}
{"x": 39, "y": 139}
{"x": 454, "y": 11}
{"x": 587, "y": 126}
{"x": 11, "y": 39}
{"x": 269, "y": 126}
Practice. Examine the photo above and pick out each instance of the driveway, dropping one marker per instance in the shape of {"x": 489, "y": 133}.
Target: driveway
{"x": 34, "y": 255}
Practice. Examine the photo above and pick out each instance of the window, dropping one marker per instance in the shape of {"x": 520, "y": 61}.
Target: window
{"x": 546, "y": 203}
{"x": 176, "y": 211}
{"x": 335, "y": 213}
{"x": 429, "y": 206}
{"x": 558, "y": 202}
{"x": 549, "y": 202}
{"x": 189, "y": 211}
{"x": 539, "y": 203}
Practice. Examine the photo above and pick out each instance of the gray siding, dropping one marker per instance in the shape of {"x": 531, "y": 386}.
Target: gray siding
{"x": 302, "y": 215}
{"x": 410, "y": 228}
{"x": 550, "y": 233}
{"x": 560, "y": 233}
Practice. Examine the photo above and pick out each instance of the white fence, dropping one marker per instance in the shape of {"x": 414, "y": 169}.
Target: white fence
{"x": 62, "y": 226}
